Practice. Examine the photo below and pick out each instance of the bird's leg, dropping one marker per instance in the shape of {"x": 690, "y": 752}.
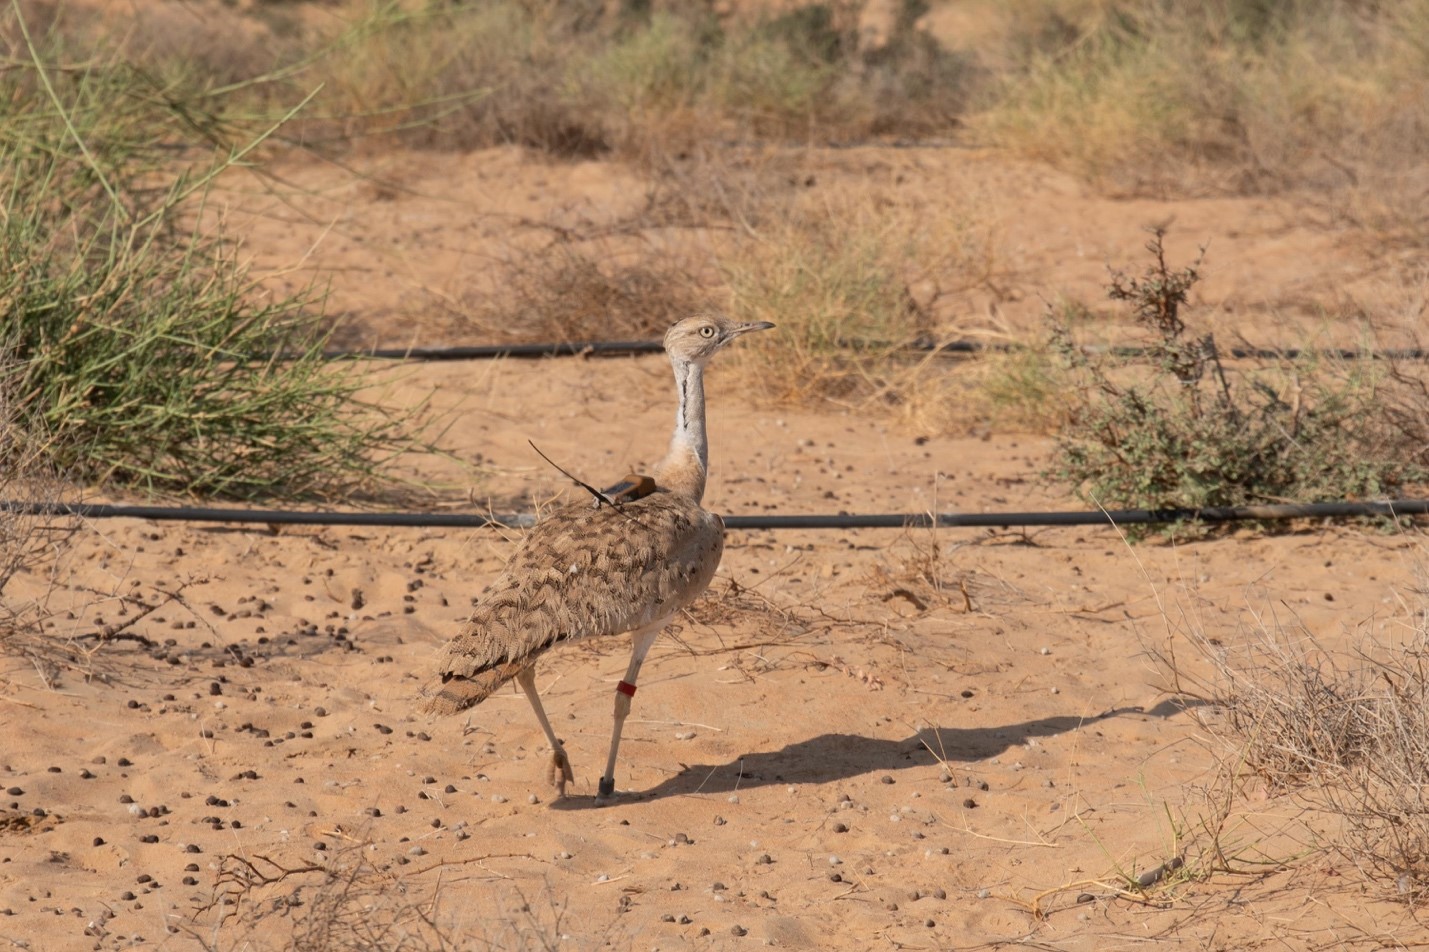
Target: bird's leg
{"x": 559, "y": 773}
{"x": 642, "y": 639}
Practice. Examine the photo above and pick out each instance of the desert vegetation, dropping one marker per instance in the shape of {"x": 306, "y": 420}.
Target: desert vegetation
{"x": 134, "y": 343}
{"x": 1195, "y": 432}
{"x": 141, "y": 355}
{"x": 118, "y": 156}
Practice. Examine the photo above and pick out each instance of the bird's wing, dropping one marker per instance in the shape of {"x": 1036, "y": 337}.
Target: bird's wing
{"x": 580, "y": 573}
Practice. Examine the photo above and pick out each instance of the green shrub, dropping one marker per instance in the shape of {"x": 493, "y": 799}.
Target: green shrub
{"x": 133, "y": 342}
{"x": 1197, "y": 434}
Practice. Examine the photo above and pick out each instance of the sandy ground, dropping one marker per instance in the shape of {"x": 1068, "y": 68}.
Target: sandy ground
{"x": 862, "y": 739}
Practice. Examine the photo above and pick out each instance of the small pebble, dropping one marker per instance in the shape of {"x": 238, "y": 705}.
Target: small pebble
{"x": 497, "y": 798}
{"x": 840, "y": 827}
{"x": 738, "y": 930}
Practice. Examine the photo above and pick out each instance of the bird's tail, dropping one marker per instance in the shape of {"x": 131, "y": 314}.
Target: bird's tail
{"x": 457, "y": 692}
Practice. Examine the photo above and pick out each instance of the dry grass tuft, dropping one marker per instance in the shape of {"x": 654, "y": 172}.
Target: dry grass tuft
{"x": 29, "y": 544}
{"x": 569, "y": 290}
{"x": 1347, "y": 733}
{"x": 837, "y": 276}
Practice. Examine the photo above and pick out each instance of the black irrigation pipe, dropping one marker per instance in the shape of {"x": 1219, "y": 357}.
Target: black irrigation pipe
{"x": 1003, "y": 520}
{"x": 620, "y": 348}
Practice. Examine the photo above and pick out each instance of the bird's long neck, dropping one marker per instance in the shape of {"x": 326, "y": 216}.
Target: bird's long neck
{"x": 684, "y": 467}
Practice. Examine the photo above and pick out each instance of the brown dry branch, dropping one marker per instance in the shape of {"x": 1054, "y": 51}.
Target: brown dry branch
{"x": 351, "y": 902}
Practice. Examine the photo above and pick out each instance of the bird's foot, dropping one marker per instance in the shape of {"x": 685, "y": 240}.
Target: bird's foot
{"x": 558, "y": 772}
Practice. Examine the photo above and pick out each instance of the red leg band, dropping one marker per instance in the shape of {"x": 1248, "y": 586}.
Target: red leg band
{"x": 626, "y": 688}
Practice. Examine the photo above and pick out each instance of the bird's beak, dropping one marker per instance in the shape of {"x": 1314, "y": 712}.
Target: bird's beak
{"x": 751, "y": 326}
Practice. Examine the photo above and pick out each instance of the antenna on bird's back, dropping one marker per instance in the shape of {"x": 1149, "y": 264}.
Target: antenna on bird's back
{"x": 600, "y": 497}
{"x": 633, "y": 486}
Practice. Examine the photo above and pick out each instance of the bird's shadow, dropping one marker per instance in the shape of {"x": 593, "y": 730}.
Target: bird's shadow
{"x": 832, "y": 757}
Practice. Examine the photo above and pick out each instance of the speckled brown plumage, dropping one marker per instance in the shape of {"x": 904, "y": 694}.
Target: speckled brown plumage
{"x": 581, "y": 572}
{"x": 589, "y": 570}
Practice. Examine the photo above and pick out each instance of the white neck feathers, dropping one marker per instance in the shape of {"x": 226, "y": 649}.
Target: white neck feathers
{"x": 685, "y": 466}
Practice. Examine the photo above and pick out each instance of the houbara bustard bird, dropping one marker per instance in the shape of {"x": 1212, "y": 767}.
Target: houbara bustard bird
{"x": 626, "y": 562}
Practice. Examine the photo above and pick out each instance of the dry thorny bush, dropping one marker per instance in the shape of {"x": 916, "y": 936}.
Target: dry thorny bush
{"x": 1345, "y": 732}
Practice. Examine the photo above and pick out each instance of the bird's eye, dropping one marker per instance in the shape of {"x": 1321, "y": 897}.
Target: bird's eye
{"x": 707, "y": 331}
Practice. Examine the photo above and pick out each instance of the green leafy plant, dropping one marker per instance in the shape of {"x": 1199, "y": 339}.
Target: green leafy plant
{"x": 1197, "y": 433}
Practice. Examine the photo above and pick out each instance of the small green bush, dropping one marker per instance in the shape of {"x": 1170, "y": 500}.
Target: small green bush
{"x": 1196, "y": 434}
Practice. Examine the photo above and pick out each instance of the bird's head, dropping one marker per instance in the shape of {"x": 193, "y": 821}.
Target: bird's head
{"x": 697, "y": 339}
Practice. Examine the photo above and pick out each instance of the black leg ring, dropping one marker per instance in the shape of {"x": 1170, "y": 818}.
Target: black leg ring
{"x": 607, "y": 786}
